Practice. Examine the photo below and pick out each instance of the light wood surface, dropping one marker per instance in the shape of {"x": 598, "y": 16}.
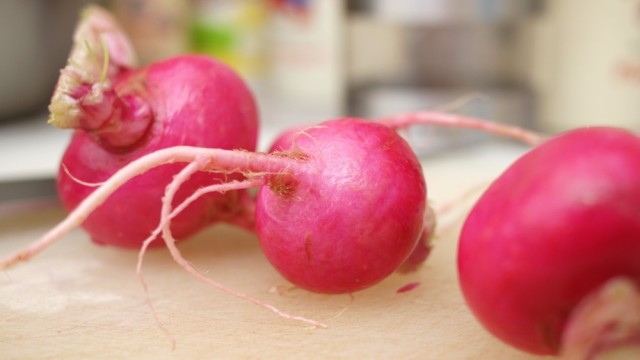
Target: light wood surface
{"x": 77, "y": 300}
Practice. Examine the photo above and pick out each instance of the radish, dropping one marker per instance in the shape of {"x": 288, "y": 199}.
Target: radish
{"x": 350, "y": 221}
{"x": 549, "y": 257}
{"x": 337, "y": 215}
{"x": 123, "y": 112}
{"x": 340, "y": 206}
{"x": 286, "y": 142}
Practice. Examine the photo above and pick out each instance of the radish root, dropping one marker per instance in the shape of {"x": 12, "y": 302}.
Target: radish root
{"x": 225, "y": 159}
{"x": 199, "y": 159}
{"x": 170, "y": 241}
{"x": 81, "y": 182}
{"x": 605, "y": 323}
{"x": 190, "y": 169}
{"x": 459, "y": 121}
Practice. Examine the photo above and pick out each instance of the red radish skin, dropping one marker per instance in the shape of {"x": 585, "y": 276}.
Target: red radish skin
{"x": 286, "y": 139}
{"x": 408, "y": 287}
{"x": 352, "y": 216}
{"x": 286, "y": 143}
{"x": 557, "y": 225}
{"x": 424, "y": 246}
{"x": 187, "y": 100}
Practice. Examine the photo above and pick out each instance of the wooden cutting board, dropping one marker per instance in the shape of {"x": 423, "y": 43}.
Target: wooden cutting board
{"x": 79, "y": 300}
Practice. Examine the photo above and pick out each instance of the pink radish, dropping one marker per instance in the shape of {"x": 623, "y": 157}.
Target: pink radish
{"x": 346, "y": 209}
{"x": 340, "y": 207}
{"x": 545, "y": 238}
{"x": 123, "y": 112}
{"x": 287, "y": 139}
{"x": 366, "y": 212}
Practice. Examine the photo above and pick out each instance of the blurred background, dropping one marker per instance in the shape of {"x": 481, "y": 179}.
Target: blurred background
{"x": 546, "y": 65}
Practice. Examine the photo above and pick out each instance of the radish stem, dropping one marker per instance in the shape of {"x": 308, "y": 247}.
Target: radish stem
{"x": 459, "y": 121}
{"x": 240, "y": 161}
{"x": 177, "y": 256}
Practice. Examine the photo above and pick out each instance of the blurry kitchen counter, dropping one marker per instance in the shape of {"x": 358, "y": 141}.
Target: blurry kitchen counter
{"x": 79, "y": 300}
{"x": 30, "y": 152}
{"x": 30, "y": 148}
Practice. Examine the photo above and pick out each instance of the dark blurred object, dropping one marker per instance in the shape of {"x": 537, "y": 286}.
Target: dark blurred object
{"x": 35, "y": 38}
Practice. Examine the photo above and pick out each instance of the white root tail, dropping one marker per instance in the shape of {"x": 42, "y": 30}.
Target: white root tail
{"x": 241, "y": 161}
{"x": 199, "y": 159}
{"x": 606, "y": 324}
{"x": 165, "y": 225}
